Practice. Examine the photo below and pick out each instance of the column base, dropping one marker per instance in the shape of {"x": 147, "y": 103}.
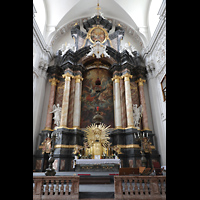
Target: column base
{"x": 65, "y": 127}
{"x": 146, "y": 129}
{"x": 47, "y": 129}
{"x": 76, "y": 127}
{"x": 129, "y": 127}
{"x": 118, "y": 127}
{"x": 61, "y": 127}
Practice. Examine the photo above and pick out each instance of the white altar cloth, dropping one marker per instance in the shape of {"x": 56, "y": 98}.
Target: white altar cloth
{"x": 97, "y": 161}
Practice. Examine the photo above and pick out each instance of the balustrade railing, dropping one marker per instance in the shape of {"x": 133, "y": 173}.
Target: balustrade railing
{"x": 140, "y": 187}
{"x": 126, "y": 187}
{"x": 56, "y": 187}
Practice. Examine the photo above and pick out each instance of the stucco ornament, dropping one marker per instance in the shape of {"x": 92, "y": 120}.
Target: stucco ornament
{"x": 98, "y": 49}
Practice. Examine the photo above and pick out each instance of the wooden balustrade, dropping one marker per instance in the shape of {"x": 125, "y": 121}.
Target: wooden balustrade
{"x": 140, "y": 187}
{"x": 55, "y": 187}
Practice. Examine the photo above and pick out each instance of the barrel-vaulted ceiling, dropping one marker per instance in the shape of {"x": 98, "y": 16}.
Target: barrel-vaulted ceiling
{"x": 133, "y": 15}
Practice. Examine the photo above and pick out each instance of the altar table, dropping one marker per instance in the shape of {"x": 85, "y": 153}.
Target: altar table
{"x": 97, "y": 164}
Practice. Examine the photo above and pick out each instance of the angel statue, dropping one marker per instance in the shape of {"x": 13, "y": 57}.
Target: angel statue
{"x": 137, "y": 115}
{"x": 57, "y": 114}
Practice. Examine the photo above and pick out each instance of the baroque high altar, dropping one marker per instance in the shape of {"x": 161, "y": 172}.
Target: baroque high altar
{"x": 97, "y": 74}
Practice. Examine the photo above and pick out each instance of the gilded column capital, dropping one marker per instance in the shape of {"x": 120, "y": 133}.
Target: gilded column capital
{"x": 140, "y": 82}
{"x": 127, "y": 76}
{"x": 53, "y": 81}
{"x": 67, "y": 76}
{"x": 116, "y": 78}
{"x": 78, "y": 78}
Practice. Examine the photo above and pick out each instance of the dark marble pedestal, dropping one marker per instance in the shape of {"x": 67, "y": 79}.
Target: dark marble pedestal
{"x": 68, "y": 138}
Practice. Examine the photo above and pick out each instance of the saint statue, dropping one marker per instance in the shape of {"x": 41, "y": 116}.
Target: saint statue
{"x": 139, "y": 62}
{"x": 58, "y": 57}
{"x": 57, "y": 114}
{"x": 137, "y": 115}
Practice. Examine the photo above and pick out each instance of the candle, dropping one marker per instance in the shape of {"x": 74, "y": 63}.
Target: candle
{"x": 143, "y": 134}
{"x": 147, "y": 134}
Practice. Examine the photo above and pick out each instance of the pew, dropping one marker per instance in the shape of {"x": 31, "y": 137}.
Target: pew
{"x": 135, "y": 171}
{"x": 128, "y": 170}
{"x": 157, "y": 168}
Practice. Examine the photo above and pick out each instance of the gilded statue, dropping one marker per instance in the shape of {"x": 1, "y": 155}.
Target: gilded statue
{"x": 97, "y": 138}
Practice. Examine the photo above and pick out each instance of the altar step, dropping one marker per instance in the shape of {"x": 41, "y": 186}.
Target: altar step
{"x": 96, "y": 191}
{"x": 95, "y": 180}
{"x": 96, "y": 195}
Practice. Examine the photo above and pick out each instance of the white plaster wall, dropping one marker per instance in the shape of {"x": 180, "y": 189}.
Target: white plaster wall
{"x": 148, "y": 106}
{"x": 155, "y": 59}
{"x": 45, "y": 105}
{"x": 37, "y": 108}
{"x": 66, "y": 38}
{"x": 153, "y": 17}
{"x": 159, "y": 129}
{"x": 41, "y": 58}
{"x": 40, "y": 15}
{"x": 128, "y": 38}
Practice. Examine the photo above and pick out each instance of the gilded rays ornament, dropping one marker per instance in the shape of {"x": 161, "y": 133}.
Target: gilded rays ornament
{"x": 97, "y": 132}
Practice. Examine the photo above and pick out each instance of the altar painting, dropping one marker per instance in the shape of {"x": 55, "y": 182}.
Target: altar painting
{"x": 90, "y": 99}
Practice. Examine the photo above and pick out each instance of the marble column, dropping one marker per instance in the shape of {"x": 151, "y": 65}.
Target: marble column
{"x": 123, "y": 102}
{"x": 48, "y": 124}
{"x": 142, "y": 101}
{"x": 77, "y": 102}
{"x": 117, "y": 102}
{"x": 129, "y": 106}
{"x": 71, "y": 104}
{"x": 65, "y": 102}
